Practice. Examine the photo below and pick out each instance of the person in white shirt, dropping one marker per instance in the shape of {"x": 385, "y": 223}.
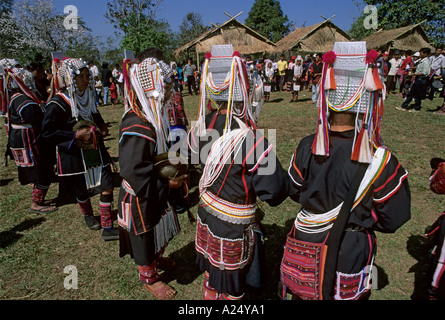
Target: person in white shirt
{"x": 296, "y": 84}
{"x": 418, "y": 89}
{"x": 393, "y": 77}
{"x": 98, "y": 90}
{"x": 437, "y": 67}
{"x": 116, "y": 75}
{"x": 93, "y": 69}
{"x": 275, "y": 84}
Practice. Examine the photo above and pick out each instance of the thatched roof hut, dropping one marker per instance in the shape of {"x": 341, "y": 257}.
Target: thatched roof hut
{"x": 244, "y": 39}
{"x": 316, "y": 38}
{"x": 405, "y": 38}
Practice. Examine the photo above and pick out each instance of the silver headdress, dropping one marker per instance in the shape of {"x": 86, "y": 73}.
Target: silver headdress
{"x": 349, "y": 84}
{"x": 147, "y": 82}
{"x": 19, "y": 78}
{"x": 83, "y": 104}
{"x": 225, "y": 78}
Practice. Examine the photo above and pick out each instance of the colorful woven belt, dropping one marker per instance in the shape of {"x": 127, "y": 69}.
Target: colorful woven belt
{"x": 227, "y": 211}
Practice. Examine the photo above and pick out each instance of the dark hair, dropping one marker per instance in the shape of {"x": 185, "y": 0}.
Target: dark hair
{"x": 105, "y": 65}
{"x": 439, "y": 47}
{"x": 34, "y": 66}
{"x": 425, "y": 50}
{"x": 150, "y": 53}
{"x": 408, "y": 52}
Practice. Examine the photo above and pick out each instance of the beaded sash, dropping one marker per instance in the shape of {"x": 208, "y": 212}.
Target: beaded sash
{"x": 228, "y": 211}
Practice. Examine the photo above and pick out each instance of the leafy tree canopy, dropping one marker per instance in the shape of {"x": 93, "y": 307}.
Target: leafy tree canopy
{"x": 191, "y": 28}
{"x": 266, "y": 17}
{"x": 401, "y": 13}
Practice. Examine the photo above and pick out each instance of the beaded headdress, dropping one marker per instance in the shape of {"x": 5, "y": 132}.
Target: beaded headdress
{"x": 350, "y": 83}
{"x": 13, "y": 77}
{"x": 225, "y": 78}
{"x": 83, "y": 104}
{"x": 145, "y": 92}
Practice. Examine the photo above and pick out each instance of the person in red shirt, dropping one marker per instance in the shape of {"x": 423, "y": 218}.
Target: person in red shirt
{"x": 113, "y": 91}
{"x": 407, "y": 64}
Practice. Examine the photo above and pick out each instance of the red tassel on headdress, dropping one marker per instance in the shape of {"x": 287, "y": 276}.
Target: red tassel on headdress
{"x": 372, "y": 56}
{"x": 329, "y": 59}
{"x": 377, "y": 79}
{"x": 330, "y": 83}
{"x": 362, "y": 149}
{"x": 372, "y": 78}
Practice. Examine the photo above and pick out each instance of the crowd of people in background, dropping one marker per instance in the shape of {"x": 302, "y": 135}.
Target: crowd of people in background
{"x": 415, "y": 77}
{"x": 398, "y": 70}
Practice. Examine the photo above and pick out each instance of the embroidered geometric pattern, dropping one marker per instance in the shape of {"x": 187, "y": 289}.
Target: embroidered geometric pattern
{"x": 22, "y": 158}
{"x": 302, "y": 268}
{"x": 148, "y": 274}
{"x": 349, "y": 286}
{"x": 225, "y": 254}
{"x": 105, "y": 215}
{"x": 38, "y": 195}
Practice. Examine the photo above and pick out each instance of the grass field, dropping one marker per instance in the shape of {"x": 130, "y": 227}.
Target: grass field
{"x": 35, "y": 249}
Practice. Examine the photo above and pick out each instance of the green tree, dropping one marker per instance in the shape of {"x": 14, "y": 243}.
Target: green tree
{"x": 141, "y": 30}
{"x": 266, "y": 17}
{"x": 400, "y": 13}
{"x": 358, "y": 30}
{"x": 37, "y": 29}
{"x": 191, "y": 28}
{"x": 7, "y": 39}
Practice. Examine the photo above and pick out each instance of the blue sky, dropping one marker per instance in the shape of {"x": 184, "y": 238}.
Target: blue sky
{"x": 212, "y": 11}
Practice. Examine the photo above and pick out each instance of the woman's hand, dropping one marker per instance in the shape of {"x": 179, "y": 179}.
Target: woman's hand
{"x": 104, "y": 130}
{"x": 177, "y": 182}
{"x": 84, "y": 135}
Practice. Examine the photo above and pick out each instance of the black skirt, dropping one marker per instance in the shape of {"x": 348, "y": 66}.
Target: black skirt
{"x": 140, "y": 247}
{"x": 233, "y": 282}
